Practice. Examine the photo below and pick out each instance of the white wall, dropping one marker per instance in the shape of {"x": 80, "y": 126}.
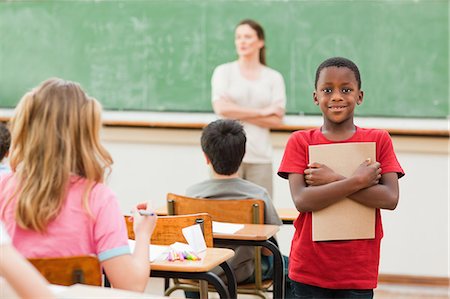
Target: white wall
{"x": 149, "y": 163}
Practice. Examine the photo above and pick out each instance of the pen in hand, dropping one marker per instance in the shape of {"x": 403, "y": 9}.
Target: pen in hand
{"x": 146, "y": 213}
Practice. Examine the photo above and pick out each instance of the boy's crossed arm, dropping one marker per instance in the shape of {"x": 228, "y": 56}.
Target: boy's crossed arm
{"x": 383, "y": 195}
{"x": 320, "y": 187}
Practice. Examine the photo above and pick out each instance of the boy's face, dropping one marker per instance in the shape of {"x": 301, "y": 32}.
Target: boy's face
{"x": 337, "y": 93}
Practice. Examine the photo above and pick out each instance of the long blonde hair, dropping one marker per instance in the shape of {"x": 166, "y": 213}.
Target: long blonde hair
{"x": 55, "y": 134}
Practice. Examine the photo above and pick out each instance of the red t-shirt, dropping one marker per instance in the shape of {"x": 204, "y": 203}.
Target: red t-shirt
{"x": 349, "y": 264}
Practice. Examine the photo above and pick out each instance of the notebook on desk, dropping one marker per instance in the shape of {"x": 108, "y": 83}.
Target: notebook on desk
{"x": 156, "y": 252}
{"x": 225, "y": 227}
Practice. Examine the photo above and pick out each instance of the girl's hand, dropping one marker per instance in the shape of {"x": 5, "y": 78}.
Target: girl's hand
{"x": 319, "y": 174}
{"x": 144, "y": 224}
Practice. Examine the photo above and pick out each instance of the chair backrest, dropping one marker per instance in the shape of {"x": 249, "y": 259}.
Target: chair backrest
{"x": 223, "y": 210}
{"x": 168, "y": 228}
{"x": 70, "y": 270}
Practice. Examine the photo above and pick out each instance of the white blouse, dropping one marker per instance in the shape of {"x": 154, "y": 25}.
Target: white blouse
{"x": 268, "y": 89}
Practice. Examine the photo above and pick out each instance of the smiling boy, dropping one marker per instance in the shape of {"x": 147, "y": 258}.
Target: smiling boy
{"x": 337, "y": 269}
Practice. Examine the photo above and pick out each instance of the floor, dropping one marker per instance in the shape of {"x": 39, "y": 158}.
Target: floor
{"x": 394, "y": 291}
{"x": 384, "y": 291}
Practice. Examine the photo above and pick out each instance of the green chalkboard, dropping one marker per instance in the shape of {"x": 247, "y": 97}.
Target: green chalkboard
{"x": 159, "y": 55}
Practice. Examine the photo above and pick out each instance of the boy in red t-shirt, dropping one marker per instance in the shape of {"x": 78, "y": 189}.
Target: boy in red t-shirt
{"x": 337, "y": 269}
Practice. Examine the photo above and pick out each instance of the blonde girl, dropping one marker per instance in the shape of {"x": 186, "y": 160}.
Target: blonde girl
{"x": 55, "y": 203}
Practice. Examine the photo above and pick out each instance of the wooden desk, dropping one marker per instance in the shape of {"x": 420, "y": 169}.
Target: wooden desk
{"x": 201, "y": 270}
{"x": 210, "y": 259}
{"x": 254, "y": 235}
{"x": 162, "y": 211}
{"x": 259, "y": 235}
{"x": 79, "y": 291}
{"x": 256, "y": 232}
{"x": 85, "y": 291}
{"x": 287, "y": 215}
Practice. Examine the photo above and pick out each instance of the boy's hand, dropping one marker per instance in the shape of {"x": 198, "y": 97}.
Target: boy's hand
{"x": 319, "y": 174}
{"x": 368, "y": 173}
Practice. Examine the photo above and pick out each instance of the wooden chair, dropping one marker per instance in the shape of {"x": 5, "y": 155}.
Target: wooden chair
{"x": 246, "y": 211}
{"x": 168, "y": 228}
{"x": 67, "y": 271}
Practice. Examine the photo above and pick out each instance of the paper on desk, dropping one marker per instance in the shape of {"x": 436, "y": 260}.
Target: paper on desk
{"x": 226, "y": 228}
{"x": 56, "y": 289}
{"x": 194, "y": 236}
{"x": 157, "y": 252}
{"x": 180, "y": 247}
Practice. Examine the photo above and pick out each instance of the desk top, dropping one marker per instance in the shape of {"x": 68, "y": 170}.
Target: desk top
{"x": 286, "y": 214}
{"x": 86, "y": 291}
{"x": 210, "y": 258}
{"x": 257, "y": 232}
{"x": 80, "y": 291}
{"x": 161, "y": 211}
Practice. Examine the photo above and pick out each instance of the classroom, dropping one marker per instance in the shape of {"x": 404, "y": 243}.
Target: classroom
{"x": 149, "y": 63}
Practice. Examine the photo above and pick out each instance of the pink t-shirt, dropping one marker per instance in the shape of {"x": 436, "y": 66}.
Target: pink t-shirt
{"x": 73, "y": 231}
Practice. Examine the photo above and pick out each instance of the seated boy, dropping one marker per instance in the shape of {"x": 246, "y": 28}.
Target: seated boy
{"x": 223, "y": 144}
{"x": 5, "y": 142}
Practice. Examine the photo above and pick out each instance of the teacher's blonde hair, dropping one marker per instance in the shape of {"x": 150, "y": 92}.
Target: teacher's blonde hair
{"x": 55, "y": 135}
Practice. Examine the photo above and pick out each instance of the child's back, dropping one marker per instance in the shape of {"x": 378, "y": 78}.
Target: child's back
{"x": 54, "y": 202}
{"x": 223, "y": 143}
{"x": 73, "y": 231}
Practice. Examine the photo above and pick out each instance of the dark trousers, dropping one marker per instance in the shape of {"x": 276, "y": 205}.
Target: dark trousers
{"x": 305, "y": 291}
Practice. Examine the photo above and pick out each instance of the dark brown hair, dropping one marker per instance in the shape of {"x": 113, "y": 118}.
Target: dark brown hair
{"x": 5, "y": 140}
{"x": 260, "y": 33}
{"x": 223, "y": 142}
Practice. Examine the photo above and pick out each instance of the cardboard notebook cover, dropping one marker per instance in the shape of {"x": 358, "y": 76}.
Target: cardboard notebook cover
{"x": 346, "y": 219}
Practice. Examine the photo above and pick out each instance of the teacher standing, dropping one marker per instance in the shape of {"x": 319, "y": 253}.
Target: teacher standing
{"x": 249, "y": 91}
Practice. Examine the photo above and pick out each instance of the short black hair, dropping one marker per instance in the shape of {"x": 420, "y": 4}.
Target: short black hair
{"x": 223, "y": 142}
{"x": 339, "y": 62}
{"x": 5, "y": 140}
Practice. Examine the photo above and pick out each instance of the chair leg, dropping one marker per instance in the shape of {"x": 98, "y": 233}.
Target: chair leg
{"x": 258, "y": 270}
{"x": 107, "y": 284}
{"x": 169, "y": 291}
{"x": 166, "y": 283}
{"x": 203, "y": 289}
